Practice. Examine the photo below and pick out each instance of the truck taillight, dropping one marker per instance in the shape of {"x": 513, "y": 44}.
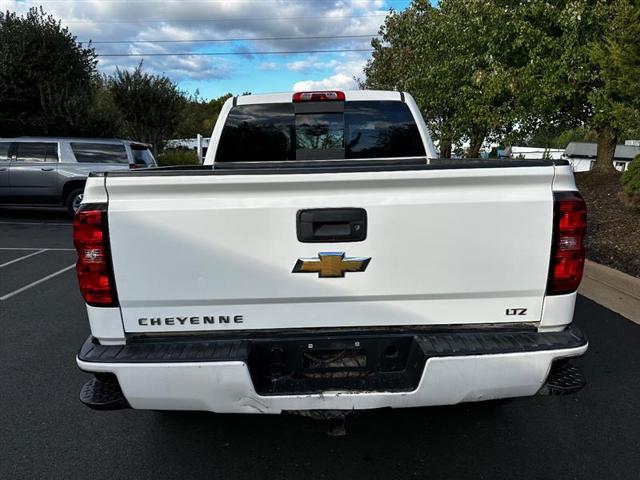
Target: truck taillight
{"x": 95, "y": 273}
{"x": 567, "y": 251}
{"x": 322, "y": 96}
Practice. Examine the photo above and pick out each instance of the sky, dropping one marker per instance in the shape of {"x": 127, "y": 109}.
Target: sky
{"x": 190, "y": 26}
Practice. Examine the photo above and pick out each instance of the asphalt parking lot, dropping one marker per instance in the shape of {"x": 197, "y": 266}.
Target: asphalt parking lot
{"x": 46, "y": 433}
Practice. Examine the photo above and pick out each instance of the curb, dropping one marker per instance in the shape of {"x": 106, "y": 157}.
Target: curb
{"x": 613, "y": 289}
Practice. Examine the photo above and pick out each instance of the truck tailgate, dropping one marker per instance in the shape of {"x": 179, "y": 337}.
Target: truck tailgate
{"x": 208, "y": 252}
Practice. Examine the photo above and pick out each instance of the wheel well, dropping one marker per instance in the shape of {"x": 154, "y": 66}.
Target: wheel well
{"x": 70, "y": 186}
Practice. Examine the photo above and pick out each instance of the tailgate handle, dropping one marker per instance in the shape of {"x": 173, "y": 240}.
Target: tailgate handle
{"x": 332, "y": 225}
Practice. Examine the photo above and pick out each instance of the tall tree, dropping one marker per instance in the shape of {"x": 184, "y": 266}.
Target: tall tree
{"x": 45, "y": 76}
{"x": 615, "y": 98}
{"x": 104, "y": 118}
{"x": 506, "y": 69}
{"x": 199, "y": 116}
{"x": 150, "y": 105}
{"x": 584, "y": 69}
{"x": 408, "y": 57}
{"x": 456, "y": 63}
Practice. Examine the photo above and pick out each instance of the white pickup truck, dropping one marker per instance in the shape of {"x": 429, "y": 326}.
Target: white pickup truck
{"x": 323, "y": 259}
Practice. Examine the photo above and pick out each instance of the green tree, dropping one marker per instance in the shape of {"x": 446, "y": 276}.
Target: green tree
{"x": 615, "y": 96}
{"x": 457, "y": 63}
{"x": 151, "y": 105}
{"x": 408, "y": 57}
{"x": 583, "y": 70}
{"x": 199, "y": 116}
{"x": 104, "y": 119}
{"x": 45, "y": 76}
{"x": 402, "y": 60}
{"x": 508, "y": 70}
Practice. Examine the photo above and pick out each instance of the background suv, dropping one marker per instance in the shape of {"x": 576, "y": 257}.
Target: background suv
{"x": 53, "y": 171}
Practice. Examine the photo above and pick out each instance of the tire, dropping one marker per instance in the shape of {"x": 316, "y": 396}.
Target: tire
{"x": 73, "y": 200}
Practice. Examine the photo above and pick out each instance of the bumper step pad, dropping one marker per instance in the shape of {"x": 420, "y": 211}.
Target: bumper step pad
{"x": 564, "y": 378}
{"x": 103, "y": 393}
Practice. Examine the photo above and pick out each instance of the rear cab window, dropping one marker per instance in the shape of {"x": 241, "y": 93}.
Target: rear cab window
{"x": 35, "y": 152}
{"x": 99, "y": 152}
{"x": 349, "y": 130}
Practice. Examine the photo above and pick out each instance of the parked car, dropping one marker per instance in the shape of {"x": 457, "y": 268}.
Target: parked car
{"x": 323, "y": 259}
{"x": 53, "y": 171}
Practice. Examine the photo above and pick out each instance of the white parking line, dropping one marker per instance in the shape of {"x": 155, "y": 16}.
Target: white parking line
{"x": 23, "y": 257}
{"x": 39, "y": 248}
{"x": 37, "y": 282}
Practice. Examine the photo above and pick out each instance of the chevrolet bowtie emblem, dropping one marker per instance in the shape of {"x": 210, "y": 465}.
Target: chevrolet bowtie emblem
{"x": 331, "y": 264}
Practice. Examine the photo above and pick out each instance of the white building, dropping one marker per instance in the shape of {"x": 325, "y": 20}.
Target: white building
{"x": 186, "y": 143}
{"x": 582, "y": 156}
{"x": 529, "y": 153}
{"x": 200, "y": 144}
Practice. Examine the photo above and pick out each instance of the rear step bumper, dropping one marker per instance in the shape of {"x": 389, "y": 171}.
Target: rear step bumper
{"x": 345, "y": 371}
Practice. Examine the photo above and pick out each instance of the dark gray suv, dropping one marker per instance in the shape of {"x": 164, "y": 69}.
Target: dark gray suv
{"x": 52, "y": 171}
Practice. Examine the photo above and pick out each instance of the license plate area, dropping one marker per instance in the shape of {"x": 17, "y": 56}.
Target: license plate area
{"x": 314, "y": 365}
{"x": 332, "y": 360}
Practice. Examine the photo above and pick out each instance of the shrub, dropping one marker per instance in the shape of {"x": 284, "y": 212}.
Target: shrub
{"x": 178, "y": 157}
{"x": 630, "y": 181}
